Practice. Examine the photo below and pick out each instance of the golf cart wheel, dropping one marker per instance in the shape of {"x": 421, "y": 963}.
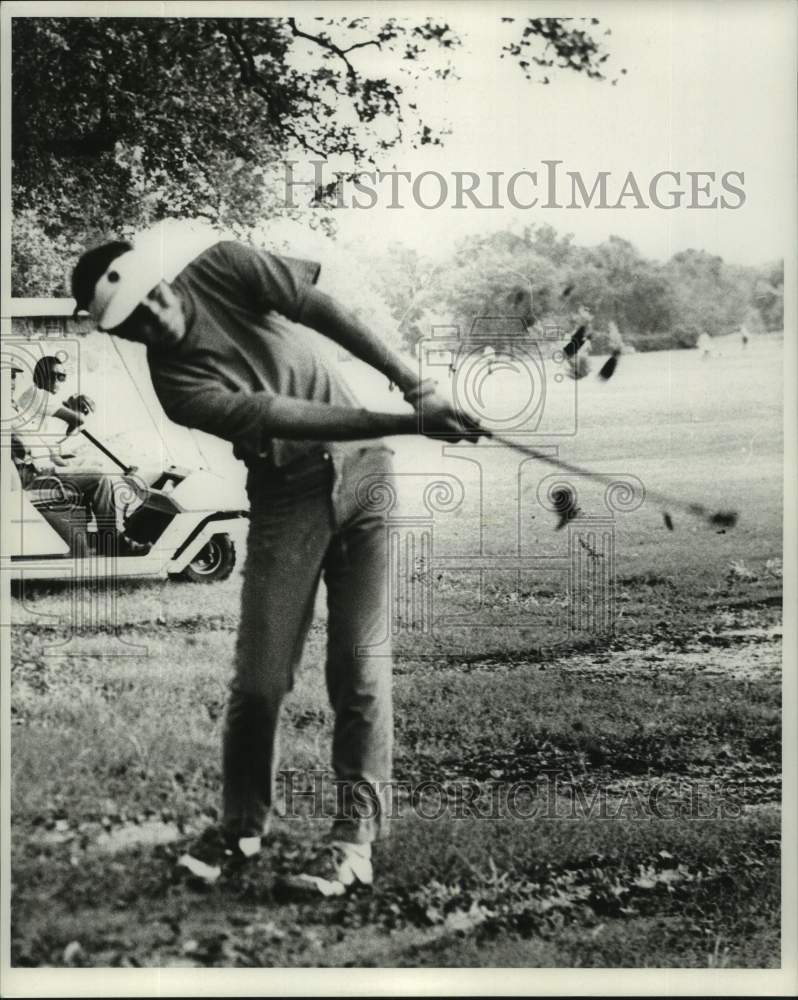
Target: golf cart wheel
{"x": 215, "y": 561}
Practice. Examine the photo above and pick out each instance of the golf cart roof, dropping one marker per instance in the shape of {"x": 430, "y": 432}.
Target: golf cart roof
{"x": 46, "y": 317}
{"x": 42, "y": 307}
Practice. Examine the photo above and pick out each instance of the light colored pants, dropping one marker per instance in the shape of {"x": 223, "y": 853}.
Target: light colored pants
{"x": 307, "y": 522}
{"x": 108, "y": 497}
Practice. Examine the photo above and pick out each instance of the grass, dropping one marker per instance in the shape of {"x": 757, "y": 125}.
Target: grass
{"x": 680, "y": 706}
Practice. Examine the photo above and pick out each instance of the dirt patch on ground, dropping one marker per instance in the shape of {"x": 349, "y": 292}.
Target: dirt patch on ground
{"x": 95, "y": 881}
{"x": 752, "y": 653}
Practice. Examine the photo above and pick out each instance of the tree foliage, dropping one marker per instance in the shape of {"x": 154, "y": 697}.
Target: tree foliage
{"x": 567, "y": 47}
{"x": 118, "y": 122}
{"x": 546, "y": 279}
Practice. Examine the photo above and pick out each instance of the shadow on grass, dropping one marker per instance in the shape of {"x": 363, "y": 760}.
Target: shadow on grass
{"x": 37, "y": 589}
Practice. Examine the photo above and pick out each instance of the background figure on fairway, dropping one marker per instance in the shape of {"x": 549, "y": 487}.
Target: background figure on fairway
{"x": 229, "y": 351}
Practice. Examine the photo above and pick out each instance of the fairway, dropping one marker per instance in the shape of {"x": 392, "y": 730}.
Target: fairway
{"x": 567, "y": 795}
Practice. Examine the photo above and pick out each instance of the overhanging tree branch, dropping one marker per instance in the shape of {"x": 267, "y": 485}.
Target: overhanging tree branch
{"x": 326, "y": 43}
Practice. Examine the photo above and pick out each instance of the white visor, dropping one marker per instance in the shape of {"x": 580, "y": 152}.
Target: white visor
{"x": 158, "y": 255}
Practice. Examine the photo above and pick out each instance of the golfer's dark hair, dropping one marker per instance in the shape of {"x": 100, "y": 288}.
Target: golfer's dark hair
{"x": 91, "y": 266}
{"x": 43, "y": 371}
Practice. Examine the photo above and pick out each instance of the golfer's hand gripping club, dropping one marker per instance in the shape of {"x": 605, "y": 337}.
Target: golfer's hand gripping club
{"x": 439, "y": 418}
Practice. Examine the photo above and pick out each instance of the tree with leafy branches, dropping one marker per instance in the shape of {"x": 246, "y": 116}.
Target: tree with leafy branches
{"x": 117, "y": 122}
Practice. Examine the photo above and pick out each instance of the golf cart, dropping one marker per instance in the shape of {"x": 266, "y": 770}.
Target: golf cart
{"x": 182, "y": 520}
{"x": 184, "y": 503}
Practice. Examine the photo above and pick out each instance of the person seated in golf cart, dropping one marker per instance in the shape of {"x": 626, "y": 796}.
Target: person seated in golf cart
{"x": 81, "y": 455}
{"x": 41, "y": 409}
{"x": 70, "y": 491}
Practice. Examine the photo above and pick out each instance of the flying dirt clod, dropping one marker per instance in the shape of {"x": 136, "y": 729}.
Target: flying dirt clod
{"x": 608, "y": 368}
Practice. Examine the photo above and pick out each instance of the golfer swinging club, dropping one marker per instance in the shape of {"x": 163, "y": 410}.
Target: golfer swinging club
{"x": 224, "y": 359}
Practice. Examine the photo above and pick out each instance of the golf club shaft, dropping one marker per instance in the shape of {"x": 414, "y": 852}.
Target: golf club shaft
{"x": 663, "y": 499}
{"x": 104, "y": 450}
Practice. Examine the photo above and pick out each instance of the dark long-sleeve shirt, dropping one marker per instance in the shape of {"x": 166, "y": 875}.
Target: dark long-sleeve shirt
{"x": 239, "y": 352}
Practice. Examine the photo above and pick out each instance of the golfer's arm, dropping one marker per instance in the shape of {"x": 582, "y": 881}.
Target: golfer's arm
{"x": 324, "y": 314}
{"x": 299, "y": 420}
{"x": 249, "y": 420}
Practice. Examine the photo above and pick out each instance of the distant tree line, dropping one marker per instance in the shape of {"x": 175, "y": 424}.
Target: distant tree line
{"x": 543, "y": 277}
